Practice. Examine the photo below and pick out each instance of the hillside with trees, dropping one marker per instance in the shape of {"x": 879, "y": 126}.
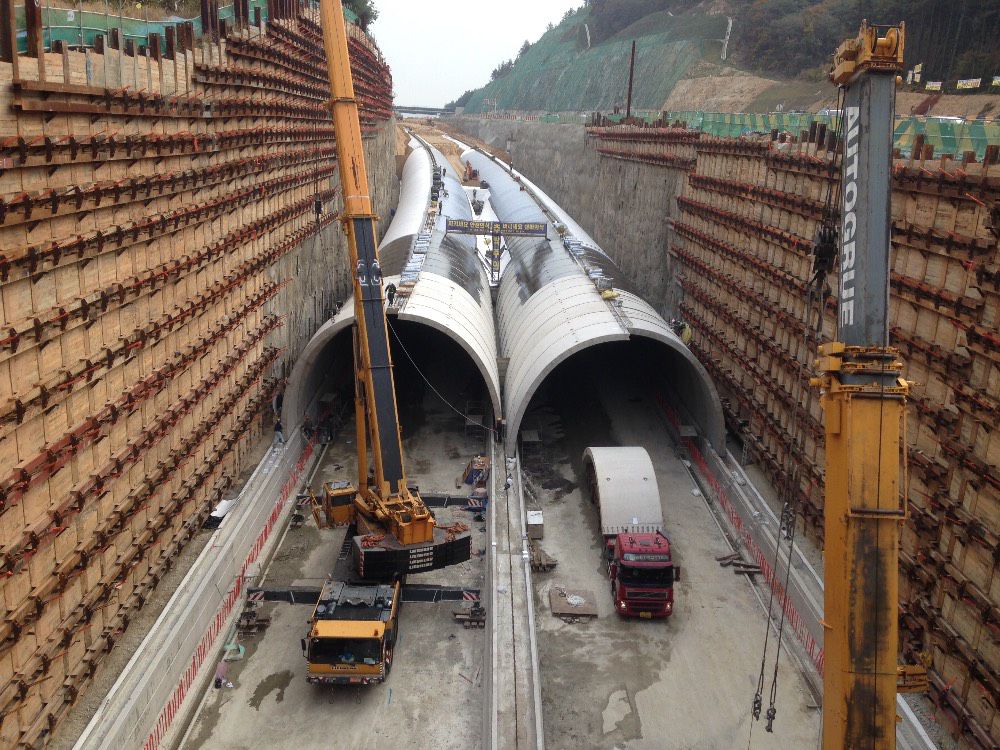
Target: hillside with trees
{"x": 578, "y": 64}
{"x": 952, "y": 38}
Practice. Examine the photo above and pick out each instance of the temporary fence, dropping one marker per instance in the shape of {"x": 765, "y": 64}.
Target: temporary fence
{"x": 947, "y": 135}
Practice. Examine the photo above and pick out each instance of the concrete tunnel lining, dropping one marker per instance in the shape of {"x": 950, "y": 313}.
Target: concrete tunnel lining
{"x": 450, "y": 296}
{"x": 549, "y": 309}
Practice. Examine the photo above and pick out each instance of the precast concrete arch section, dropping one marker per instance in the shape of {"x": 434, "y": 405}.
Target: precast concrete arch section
{"x": 562, "y": 295}
{"x": 441, "y": 285}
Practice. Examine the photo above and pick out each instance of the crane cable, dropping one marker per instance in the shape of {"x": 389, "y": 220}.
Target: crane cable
{"x": 430, "y": 385}
{"x": 790, "y": 487}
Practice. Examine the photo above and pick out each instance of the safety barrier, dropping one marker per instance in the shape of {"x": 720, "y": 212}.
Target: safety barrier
{"x": 82, "y": 27}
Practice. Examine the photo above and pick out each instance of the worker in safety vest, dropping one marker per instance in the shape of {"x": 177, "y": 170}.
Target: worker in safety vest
{"x": 682, "y": 329}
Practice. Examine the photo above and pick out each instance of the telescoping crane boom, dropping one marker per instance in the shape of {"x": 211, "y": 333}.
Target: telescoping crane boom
{"x": 864, "y": 403}
{"x": 354, "y": 626}
{"x": 384, "y": 506}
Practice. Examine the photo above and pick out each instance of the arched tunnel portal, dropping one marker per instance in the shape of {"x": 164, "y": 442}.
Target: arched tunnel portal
{"x": 618, "y": 393}
{"x": 427, "y": 363}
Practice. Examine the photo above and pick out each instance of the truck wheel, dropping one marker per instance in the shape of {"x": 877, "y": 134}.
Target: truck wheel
{"x": 388, "y": 659}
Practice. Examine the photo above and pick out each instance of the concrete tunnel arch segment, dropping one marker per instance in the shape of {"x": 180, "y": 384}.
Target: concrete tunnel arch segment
{"x": 451, "y": 294}
{"x": 549, "y": 308}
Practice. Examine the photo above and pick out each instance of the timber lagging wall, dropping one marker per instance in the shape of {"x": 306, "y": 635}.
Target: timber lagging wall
{"x": 742, "y": 237}
{"x": 162, "y": 264}
{"x": 730, "y": 222}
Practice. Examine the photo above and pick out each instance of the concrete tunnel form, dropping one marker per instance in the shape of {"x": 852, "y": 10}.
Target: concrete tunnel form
{"x": 562, "y": 295}
{"x": 442, "y": 284}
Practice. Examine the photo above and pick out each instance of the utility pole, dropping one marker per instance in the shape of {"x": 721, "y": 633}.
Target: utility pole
{"x": 631, "y": 73}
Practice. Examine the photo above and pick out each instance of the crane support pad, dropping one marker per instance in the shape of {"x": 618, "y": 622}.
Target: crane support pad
{"x": 382, "y": 562}
{"x": 412, "y": 592}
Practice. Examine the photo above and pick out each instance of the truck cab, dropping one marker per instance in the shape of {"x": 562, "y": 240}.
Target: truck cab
{"x": 642, "y": 574}
{"x": 352, "y": 634}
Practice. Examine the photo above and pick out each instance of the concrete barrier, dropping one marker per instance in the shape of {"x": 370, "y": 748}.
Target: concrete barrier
{"x": 159, "y": 685}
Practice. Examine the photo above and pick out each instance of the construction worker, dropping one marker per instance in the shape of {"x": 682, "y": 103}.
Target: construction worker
{"x": 390, "y": 293}
{"x": 279, "y": 435}
{"x": 682, "y": 329}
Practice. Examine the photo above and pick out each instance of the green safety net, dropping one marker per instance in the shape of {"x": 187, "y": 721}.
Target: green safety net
{"x": 947, "y": 135}
{"x": 79, "y": 28}
{"x": 562, "y": 71}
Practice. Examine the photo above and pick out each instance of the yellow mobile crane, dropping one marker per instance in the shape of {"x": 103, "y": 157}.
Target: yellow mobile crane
{"x": 864, "y": 402}
{"x": 354, "y": 624}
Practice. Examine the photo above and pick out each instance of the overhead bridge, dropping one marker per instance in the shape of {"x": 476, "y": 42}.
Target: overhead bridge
{"x": 417, "y": 110}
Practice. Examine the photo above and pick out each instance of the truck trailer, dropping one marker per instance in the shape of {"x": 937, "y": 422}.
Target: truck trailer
{"x": 636, "y": 550}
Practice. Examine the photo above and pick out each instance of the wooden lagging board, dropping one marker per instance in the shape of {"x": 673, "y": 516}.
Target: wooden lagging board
{"x": 151, "y": 291}
{"x": 944, "y": 315}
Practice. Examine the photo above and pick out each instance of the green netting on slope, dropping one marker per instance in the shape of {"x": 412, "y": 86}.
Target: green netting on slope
{"x": 81, "y": 28}
{"x": 947, "y": 137}
{"x": 559, "y": 72}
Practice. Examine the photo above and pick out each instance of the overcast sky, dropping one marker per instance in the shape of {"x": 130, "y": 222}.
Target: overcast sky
{"x": 439, "y": 48}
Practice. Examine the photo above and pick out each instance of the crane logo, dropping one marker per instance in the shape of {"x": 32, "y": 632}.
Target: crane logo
{"x": 848, "y": 255}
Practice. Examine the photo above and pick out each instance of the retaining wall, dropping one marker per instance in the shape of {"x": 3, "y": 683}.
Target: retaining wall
{"x": 720, "y": 231}
{"x": 162, "y": 264}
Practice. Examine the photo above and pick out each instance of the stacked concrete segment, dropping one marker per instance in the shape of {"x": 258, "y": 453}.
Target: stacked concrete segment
{"x": 162, "y": 263}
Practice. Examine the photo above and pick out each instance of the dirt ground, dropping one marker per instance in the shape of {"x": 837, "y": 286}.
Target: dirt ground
{"x": 433, "y": 135}
{"x": 731, "y": 92}
{"x": 952, "y": 105}
{"x": 687, "y": 682}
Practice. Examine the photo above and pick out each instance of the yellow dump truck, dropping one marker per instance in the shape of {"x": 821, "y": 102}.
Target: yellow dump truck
{"x": 352, "y": 634}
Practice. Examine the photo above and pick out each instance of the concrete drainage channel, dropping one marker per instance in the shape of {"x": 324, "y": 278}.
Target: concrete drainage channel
{"x": 513, "y": 702}
{"x": 153, "y": 697}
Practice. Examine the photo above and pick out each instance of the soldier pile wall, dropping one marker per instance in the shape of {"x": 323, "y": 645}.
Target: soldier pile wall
{"x": 163, "y": 262}
{"x": 741, "y": 239}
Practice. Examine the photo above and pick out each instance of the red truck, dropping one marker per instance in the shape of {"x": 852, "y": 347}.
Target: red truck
{"x": 637, "y": 552}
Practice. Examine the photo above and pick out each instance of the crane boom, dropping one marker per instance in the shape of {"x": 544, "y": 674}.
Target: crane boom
{"x": 864, "y": 403}
{"x": 383, "y": 503}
